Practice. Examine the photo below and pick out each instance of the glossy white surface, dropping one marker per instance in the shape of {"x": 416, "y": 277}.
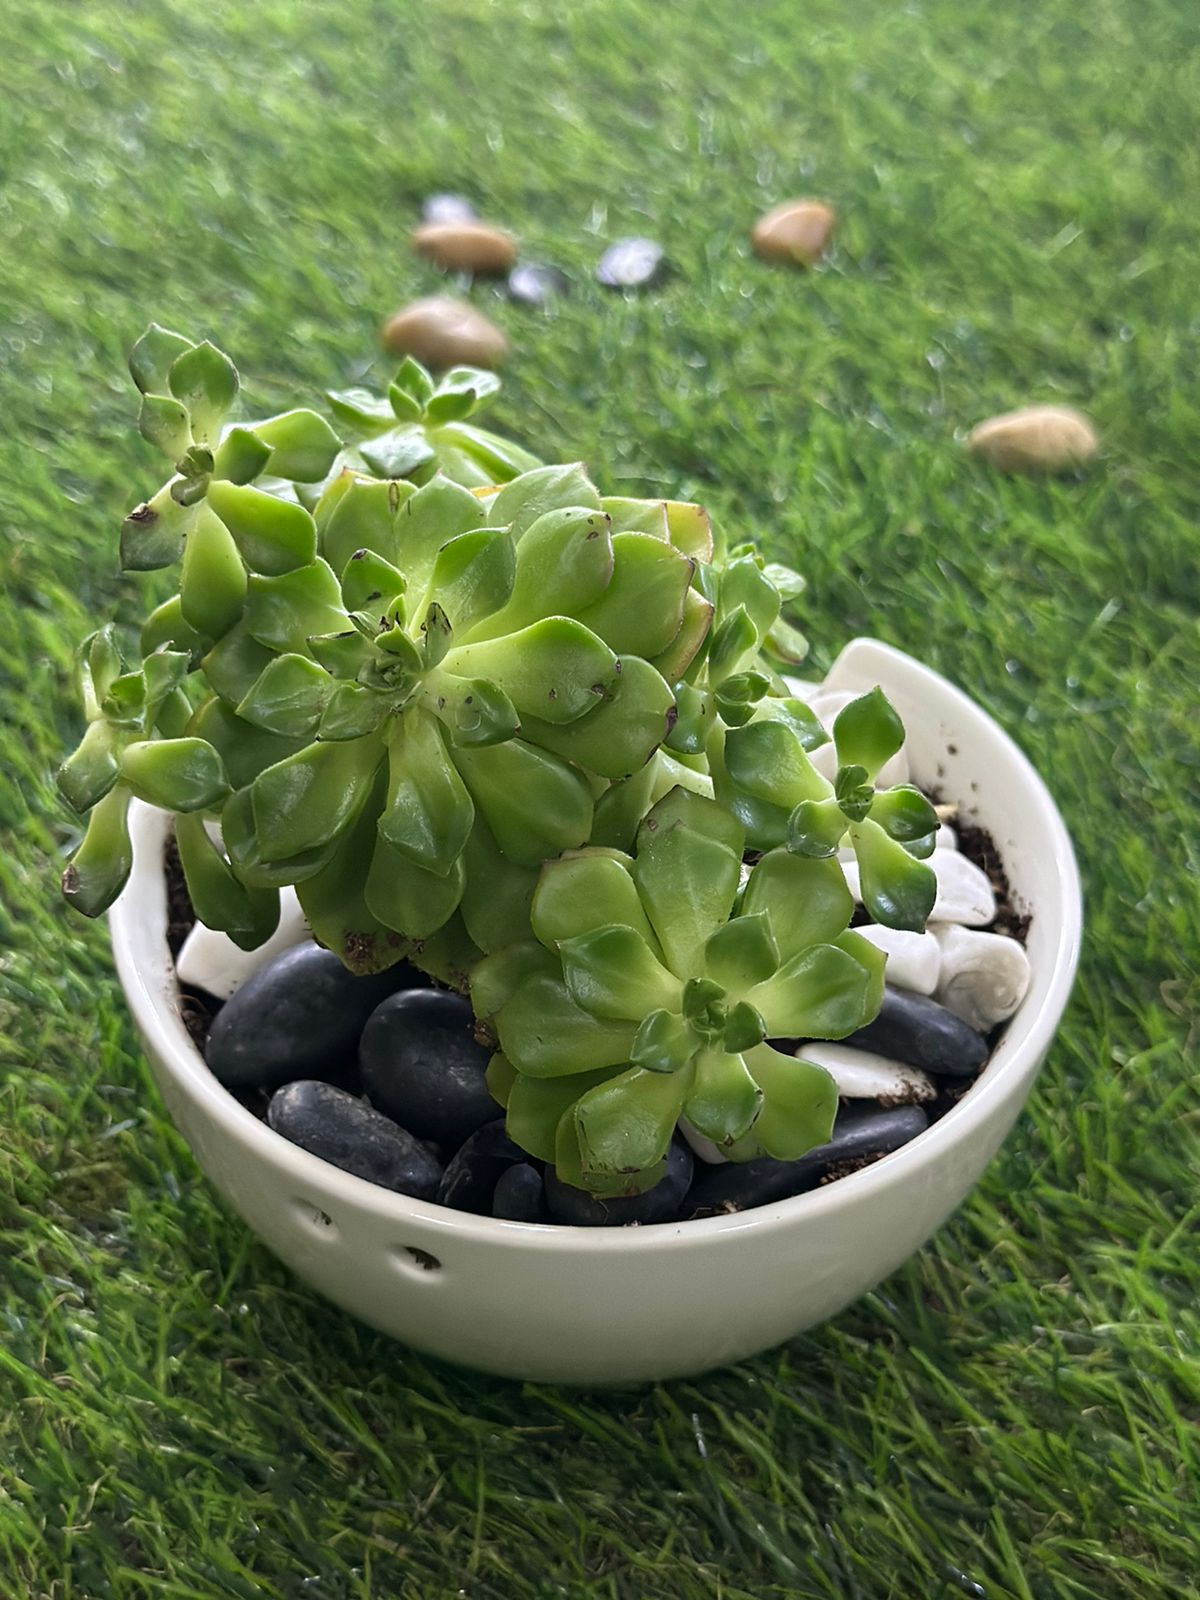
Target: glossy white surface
{"x": 623, "y": 1305}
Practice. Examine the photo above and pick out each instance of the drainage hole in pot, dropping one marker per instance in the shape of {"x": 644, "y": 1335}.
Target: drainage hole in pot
{"x": 314, "y": 1219}
{"x": 413, "y": 1259}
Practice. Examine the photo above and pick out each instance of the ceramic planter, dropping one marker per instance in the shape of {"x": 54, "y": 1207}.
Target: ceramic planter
{"x": 623, "y": 1305}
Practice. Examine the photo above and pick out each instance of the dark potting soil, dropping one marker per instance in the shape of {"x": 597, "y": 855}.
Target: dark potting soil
{"x": 196, "y": 1008}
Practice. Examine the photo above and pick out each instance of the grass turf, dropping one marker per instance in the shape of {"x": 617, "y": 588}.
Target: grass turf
{"x": 1012, "y": 1415}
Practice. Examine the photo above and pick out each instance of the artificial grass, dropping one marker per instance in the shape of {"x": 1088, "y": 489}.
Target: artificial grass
{"x": 1013, "y": 1414}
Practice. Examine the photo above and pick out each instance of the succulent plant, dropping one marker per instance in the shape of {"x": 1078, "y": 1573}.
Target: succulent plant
{"x": 524, "y": 735}
{"x": 762, "y": 772}
{"x": 653, "y": 989}
{"x": 420, "y": 427}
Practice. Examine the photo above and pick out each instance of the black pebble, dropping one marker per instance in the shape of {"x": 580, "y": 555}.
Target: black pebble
{"x": 300, "y": 1016}
{"x": 914, "y": 1029}
{"x": 663, "y": 1203}
{"x": 470, "y": 1178}
{"x": 421, "y": 1065}
{"x": 346, "y": 1132}
{"x": 858, "y": 1139}
{"x": 448, "y": 208}
{"x": 531, "y": 284}
{"x": 518, "y": 1195}
{"x": 631, "y": 264}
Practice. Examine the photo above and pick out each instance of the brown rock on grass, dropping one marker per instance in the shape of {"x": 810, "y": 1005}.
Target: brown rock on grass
{"x": 797, "y": 231}
{"x": 466, "y": 247}
{"x": 444, "y": 332}
{"x": 1035, "y": 439}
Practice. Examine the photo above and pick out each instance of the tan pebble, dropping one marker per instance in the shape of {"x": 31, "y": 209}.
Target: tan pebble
{"x": 465, "y": 247}
{"x": 1035, "y": 439}
{"x": 443, "y": 332}
{"x": 797, "y": 231}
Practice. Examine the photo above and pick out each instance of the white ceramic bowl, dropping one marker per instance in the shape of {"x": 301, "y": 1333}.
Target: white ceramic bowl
{"x": 622, "y": 1305}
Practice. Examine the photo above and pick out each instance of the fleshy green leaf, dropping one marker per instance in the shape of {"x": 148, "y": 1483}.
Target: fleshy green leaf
{"x": 683, "y": 654}
{"x": 152, "y": 535}
{"x": 587, "y": 890}
{"x": 307, "y": 799}
{"x": 220, "y": 901}
{"x": 545, "y": 1034}
{"x": 90, "y": 771}
{"x": 663, "y": 1043}
{"x": 428, "y": 812}
{"x": 436, "y": 513}
{"x": 555, "y": 669}
{"x": 303, "y": 445}
{"x": 613, "y": 973}
{"x": 288, "y": 697}
{"x": 524, "y": 500}
{"x": 404, "y": 452}
{"x": 823, "y": 993}
{"x": 725, "y": 1099}
{"x": 536, "y": 1106}
{"x": 358, "y": 513}
{"x": 498, "y": 976}
{"x": 766, "y": 760}
{"x": 153, "y": 355}
{"x": 904, "y": 813}
{"x": 624, "y": 1126}
{"x": 621, "y": 732}
{"x": 733, "y": 642}
{"x": 163, "y": 422}
{"x": 816, "y": 828}
{"x": 744, "y": 1028}
{"x": 361, "y": 410}
{"x": 407, "y": 898}
{"x": 240, "y": 457}
{"x": 535, "y": 805}
{"x": 475, "y": 712}
{"x": 274, "y": 536}
{"x": 245, "y": 749}
{"x": 806, "y": 902}
{"x": 177, "y": 774}
{"x": 100, "y": 868}
{"x": 868, "y": 732}
{"x": 689, "y": 859}
{"x": 563, "y": 563}
{"x": 285, "y": 611}
{"x": 212, "y": 589}
{"x": 168, "y": 626}
{"x": 799, "y": 1105}
{"x": 897, "y": 890}
{"x": 497, "y": 894}
{"x": 741, "y": 953}
{"x": 641, "y": 609}
{"x": 473, "y": 576}
{"x": 235, "y": 663}
{"x": 207, "y": 382}
{"x": 352, "y": 711}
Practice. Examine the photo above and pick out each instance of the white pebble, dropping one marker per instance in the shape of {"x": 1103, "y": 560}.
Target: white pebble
{"x": 984, "y": 976}
{"x": 914, "y": 960}
{"x": 827, "y": 703}
{"x": 964, "y": 893}
{"x": 861, "y": 1075}
{"x": 945, "y": 838}
{"x": 702, "y": 1147}
{"x": 212, "y": 962}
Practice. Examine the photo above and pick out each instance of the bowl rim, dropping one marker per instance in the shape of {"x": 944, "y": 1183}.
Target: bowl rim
{"x": 1028, "y": 1036}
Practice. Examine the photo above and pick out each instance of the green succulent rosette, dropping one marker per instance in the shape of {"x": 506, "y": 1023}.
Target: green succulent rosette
{"x": 423, "y": 426}
{"x": 652, "y": 987}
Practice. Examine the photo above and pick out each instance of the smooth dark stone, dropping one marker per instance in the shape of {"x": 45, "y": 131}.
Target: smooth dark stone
{"x": 531, "y": 284}
{"x": 448, "y": 208}
{"x": 518, "y": 1195}
{"x": 470, "y": 1178}
{"x": 859, "y": 1138}
{"x": 421, "y": 1065}
{"x": 298, "y": 1017}
{"x": 631, "y": 264}
{"x": 914, "y": 1029}
{"x": 346, "y": 1132}
{"x": 663, "y": 1203}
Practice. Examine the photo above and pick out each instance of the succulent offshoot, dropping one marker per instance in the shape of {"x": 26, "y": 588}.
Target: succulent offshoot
{"x": 652, "y": 990}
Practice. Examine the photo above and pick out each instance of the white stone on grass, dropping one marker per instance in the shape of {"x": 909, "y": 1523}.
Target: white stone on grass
{"x": 984, "y": 976}
{"x": 212, "y": 962}
{"x": 914, "y": 960}
{"x": 862, "y": 1075}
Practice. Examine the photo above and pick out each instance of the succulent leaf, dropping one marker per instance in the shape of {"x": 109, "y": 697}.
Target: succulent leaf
{"x": 206, "y": 381}
{"x": 153, "y": 355}
{"x": 212, "y": 589}
{"x": 798, "y": 1107}
{"x": 613, "y": 973}
{"x": 179, "y": 775}
{"x": 100, "y": 868}
{"x": 545, "y": 1033}
{"x": 273, "y": 536}
{"x": 535, "y": 805}
{"x": 640, "y": 611}
{"x": 302, "y": 445}
{"x": 307, "y": 799}
{"x": 897, "y": 890}
{"x": 868, "y": 732}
